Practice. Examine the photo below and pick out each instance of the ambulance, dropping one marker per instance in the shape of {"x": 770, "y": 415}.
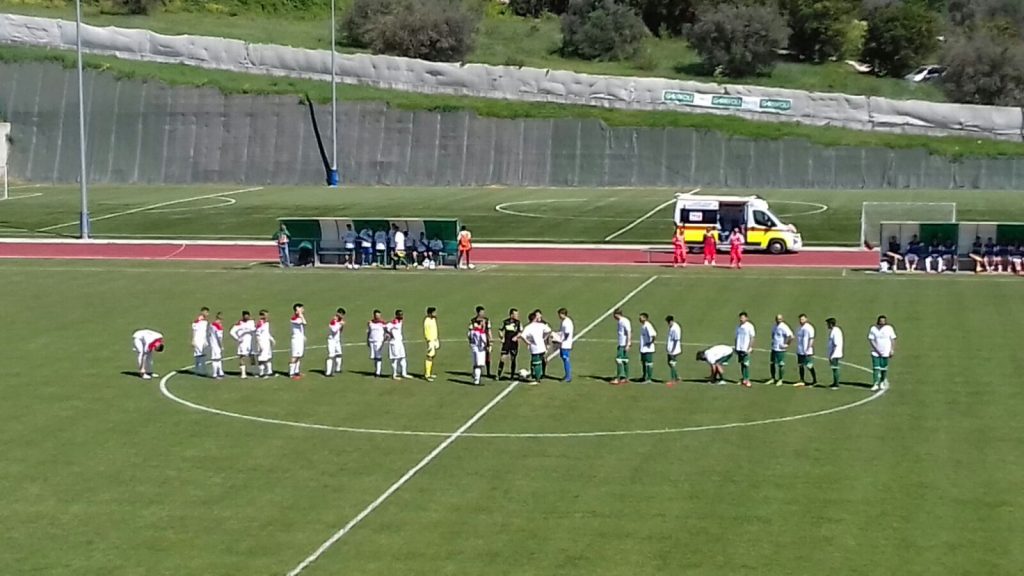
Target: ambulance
{"x": 763, "y": 230}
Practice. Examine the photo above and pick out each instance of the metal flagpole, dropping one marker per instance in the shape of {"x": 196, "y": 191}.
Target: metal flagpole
{"x": 332, "y": 179}
{"x": 83, "y": 225}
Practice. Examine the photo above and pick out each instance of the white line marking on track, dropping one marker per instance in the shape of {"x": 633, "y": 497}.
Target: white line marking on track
{"x": 152, "y": 206}
{"x": 441, "y": 448}
{"x": 633, "y": 224}
{"x": 175, "y": 253}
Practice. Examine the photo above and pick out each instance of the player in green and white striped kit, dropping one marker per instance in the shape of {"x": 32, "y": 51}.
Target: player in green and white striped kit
{"x": 624, "y": 338}
{"x": 673, "y": 348}
{"x": 647, "y": 337}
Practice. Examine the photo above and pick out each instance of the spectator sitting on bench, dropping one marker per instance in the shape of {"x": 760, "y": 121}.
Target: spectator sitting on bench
{"x": 912, "y": 254}
{"x": 410, "y": 248}
{"x": 933, "y": 262}
{"x": 437, "y": 251}
{"x": 977, "y": 254}
{"x": 950, "y": 256}
{"x": 1017, "y": 258}
{"x": 422, "y": 250}
{"x": 1002, "y": 257}
{"x": 990, "y": 255}
{"x": 893, "y": 254}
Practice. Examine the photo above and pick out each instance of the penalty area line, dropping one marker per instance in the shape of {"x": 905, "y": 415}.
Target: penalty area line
{"x": 634, "y": 223}
{"x": 323, "y": 548}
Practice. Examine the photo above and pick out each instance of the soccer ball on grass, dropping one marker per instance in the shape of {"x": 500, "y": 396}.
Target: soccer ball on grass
{"x": 524, "y": 374}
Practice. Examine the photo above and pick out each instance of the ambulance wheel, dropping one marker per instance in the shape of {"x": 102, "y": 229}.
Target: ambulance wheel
{"x": 776, "y": 247}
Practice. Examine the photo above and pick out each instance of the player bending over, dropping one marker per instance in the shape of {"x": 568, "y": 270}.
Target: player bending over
{"x": 199, "y": 328}
{"x": 334, "y": 342}
{"x": 146, "y": 343}
{"x": 243, "y": 333}
{"x": 718, "y": 358}
{"x": 215, "y": 342}
{"x": 430, "y": 335}
{"x": 375, "y": 340}
{"x": 396, "y": 346}
{"x": 265, "y": 345}
{"x": 673, "y": 348}
{"x": 511, "y": 329}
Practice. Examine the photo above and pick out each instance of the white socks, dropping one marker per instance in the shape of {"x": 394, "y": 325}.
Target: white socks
{"x": 476, "y": 374}
{"x": 333, "y": 366}
{"x": 241, "y": 368}
{"x": 376, "y": 367}
{"x": 294, "y": 368}
{"x": 218, "y": 369}
{"x": 199, "y": 367}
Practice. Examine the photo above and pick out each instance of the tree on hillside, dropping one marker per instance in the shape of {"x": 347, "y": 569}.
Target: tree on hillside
{"x": 601, "y": 30}
{"x": 818, "y": 28}
{"x": 439, "y": 30}
{"x": 666, "y": 16}
{"x": 984, "y": 69}
{"x": 1004, "y": 17}
{"x": 899, "y": 37}
{"x": 735, "y": 40}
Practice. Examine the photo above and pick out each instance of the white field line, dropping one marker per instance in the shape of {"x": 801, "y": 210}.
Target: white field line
{"x": 633, "y": 224}
{"x": 24, "y": 186}
{"x": 503, "y": 207}
{"x": 309, "y": 560}
{"x": 23, "y": 196}
{"x": 152, "y": 206}
{"x": 225, "y": 201}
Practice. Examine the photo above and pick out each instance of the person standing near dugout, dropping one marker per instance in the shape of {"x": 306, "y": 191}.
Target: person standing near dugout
{"x": 465, "y": 247}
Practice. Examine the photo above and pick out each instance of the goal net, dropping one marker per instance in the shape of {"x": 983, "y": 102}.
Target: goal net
{"x": 872, "y": 214}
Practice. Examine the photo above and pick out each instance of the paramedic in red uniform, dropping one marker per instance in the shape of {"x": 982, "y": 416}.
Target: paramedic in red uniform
{"x": 735, "y": 248}
{"x": 678, "y": 248}
{"x": 709, "y": 246}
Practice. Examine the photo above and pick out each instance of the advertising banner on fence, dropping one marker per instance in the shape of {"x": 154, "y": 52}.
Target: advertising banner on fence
{"x": 751, "y": 103}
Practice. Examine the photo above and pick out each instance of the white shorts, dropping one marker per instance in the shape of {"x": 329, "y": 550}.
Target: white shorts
{"x": 479, "y": 358}
{"x": 376, "y": 350}
{"x": 216, "y": 353}
{"x": 244, "y": 349}
{"x": 298, "y": 347}
{"x": 265, "y": 354}
{"x": 138, "y": 345}
{"x": 396, "y": 351}
{"x": 198, "y": 349}
{"x": 333, "y": 348}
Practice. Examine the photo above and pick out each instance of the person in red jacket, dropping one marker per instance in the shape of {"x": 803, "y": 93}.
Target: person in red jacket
{"x": 710, "y": 246}
{"x": 736, "y": 248}
{"x": 678, "y": 249}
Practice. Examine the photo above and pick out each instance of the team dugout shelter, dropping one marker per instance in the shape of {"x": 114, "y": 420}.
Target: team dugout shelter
{"x": 325, "y": 236}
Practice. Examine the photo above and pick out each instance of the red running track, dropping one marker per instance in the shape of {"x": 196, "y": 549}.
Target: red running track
{"x": 539, "y": 255}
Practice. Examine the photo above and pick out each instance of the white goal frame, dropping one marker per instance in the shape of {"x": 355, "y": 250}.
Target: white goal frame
{"x": 873, "y": 236}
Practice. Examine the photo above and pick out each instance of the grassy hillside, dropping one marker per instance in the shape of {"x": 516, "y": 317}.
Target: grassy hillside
{"x": 501, "y": 39}
{"x": 240, "y": 83}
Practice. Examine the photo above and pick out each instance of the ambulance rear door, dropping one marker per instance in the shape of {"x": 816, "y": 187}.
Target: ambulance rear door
{"x": 695, "y": 216}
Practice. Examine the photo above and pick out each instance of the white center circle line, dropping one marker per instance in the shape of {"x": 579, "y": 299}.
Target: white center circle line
{"x": 165, "y": 390}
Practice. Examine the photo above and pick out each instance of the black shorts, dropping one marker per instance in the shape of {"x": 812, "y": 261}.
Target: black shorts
{"x": 512, "y": 351}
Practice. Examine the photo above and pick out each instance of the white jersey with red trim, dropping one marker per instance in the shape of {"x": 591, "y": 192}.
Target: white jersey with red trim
{"x": 215, "y": 340}
{"x": 200, "y": 326}
{"x": 243, "y": 332}
{"x": 334, "y": 330}
{"x": 264, "y": 340}
{"x": 396, "y": 340}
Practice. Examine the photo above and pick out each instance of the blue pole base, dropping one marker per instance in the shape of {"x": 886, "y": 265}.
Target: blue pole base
{"x": 332, "y": 178}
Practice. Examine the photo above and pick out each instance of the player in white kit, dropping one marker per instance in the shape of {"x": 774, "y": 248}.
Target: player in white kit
{"x": 673, "y": 348}
{"x": 375, "y": 340}
{"x": 396, "y": 346}
{"x": 145, "y": 343}
{"x": 215, "y": 343}
{"x": 243, "y": 333}
{"x": 298, "y": 322}
{"x": 200, "y": 326}
{"x": 334, "y": 344}
{"x": 264, "y": 345}
{"x": 805, "y": 352}
{"x": 478, "y": 342}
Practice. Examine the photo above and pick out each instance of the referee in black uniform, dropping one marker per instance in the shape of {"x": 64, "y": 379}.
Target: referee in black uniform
{"x": 510, "y": 330}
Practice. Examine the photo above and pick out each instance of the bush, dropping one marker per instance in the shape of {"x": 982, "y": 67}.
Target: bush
{"x": 134, "y": 7}
{"x": 527, "y": 8}
{"x": 983, "y": 69}
{"x": 1004, "y": 17}
{"x": 439, "y": 30}
{"x": 818, "y": 28}
{"x": 737, "y": 40}
{"x": 666, "y": 16}
{"x": 601, "y": 30}
{"x": 360, "y": 23}
{"x": 899, "y": 37}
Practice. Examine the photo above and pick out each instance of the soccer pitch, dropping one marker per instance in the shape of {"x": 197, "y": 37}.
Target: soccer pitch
{"x": 494, "y": 214}
{"x": 104, "y": 474}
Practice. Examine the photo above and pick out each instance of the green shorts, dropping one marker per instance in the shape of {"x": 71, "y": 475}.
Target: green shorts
{"x": 724, "y": 361}
{"x": 743, "y": 357}
{"x": 536, "y": 359}
{"x": 621, "y": 355}
{"x": 805, "y": 360}
{"x": 834, "y": 362}
{"x": 673, "y": 359}
{"x": 779, "y": 357}
{"x": 879, "y": 362}
{"x": 647, "y": 357}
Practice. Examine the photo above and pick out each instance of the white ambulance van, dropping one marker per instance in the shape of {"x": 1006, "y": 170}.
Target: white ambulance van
{"x": 762, "y": 229}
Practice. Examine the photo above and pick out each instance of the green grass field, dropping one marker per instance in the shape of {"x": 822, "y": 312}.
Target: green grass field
{"x": 103, "y": 475}
{"x": 494, "y": 214}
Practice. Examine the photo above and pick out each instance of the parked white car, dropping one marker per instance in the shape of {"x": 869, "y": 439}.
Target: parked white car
{"x": 926, "y": 73}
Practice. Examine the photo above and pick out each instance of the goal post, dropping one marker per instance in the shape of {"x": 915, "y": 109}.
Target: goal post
{"x": 872, "y": 214}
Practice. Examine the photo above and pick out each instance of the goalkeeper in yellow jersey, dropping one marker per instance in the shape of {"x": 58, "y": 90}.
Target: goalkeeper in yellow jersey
{"x": 433, "y": 342}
